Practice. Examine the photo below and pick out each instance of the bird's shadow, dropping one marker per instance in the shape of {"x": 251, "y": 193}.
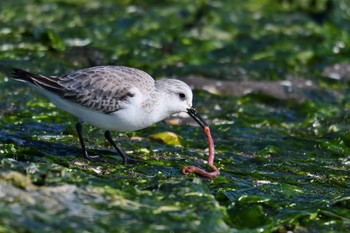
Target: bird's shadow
{"x": 65, "y": 154}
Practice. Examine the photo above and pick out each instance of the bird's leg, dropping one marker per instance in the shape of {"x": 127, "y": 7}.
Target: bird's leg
{"x": 116, "y": 147}
{"x": 79, "y": 127}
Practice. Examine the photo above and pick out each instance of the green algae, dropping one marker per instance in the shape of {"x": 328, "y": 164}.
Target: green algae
{"x": 284, "y": 162}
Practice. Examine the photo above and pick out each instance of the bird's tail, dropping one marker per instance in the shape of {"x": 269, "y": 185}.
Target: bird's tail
{"x": 47, "y": 82}
{"x": 23, "y": 75}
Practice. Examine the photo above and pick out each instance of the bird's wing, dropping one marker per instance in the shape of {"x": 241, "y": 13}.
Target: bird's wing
{"x": 102, "y": 88}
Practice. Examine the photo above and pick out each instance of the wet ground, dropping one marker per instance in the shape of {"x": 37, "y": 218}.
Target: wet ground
{"x": 271, "y": 78}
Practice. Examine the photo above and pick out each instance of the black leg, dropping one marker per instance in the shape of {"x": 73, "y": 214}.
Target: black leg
{"x": 79, "y": 127}
{"x": 120, "y": 151}
{"x": 81, "y": 140}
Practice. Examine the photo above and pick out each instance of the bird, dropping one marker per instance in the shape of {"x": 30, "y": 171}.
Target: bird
{"x": 113, "y": 98}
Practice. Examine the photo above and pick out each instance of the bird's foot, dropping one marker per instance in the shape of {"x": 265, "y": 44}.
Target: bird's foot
{"x": 94, "y": 158}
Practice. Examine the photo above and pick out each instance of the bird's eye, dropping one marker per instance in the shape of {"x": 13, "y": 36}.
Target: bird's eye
{"x": 182, "y": 96}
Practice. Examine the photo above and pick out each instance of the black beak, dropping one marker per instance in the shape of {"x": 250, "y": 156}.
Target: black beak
{"x": 194, "y": 114}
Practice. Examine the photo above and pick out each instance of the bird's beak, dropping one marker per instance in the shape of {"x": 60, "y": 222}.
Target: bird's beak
{"x": 194, "y": 114}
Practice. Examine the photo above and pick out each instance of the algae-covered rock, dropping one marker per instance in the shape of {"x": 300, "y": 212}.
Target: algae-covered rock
{"x": 17, "y": 179}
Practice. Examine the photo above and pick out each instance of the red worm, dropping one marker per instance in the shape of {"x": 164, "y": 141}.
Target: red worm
{"x": 199, "y": 171}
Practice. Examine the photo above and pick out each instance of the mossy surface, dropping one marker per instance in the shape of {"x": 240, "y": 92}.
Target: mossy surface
{"x": 284, "y": 159}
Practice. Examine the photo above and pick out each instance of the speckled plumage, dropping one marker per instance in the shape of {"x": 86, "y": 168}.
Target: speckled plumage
{"x": 106, "y": 90}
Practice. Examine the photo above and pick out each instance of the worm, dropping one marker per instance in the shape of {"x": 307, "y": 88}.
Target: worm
{"x": 199, "y": 171}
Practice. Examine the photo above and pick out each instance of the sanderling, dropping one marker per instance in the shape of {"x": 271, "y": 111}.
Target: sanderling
{"x": 114, "y": 98}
